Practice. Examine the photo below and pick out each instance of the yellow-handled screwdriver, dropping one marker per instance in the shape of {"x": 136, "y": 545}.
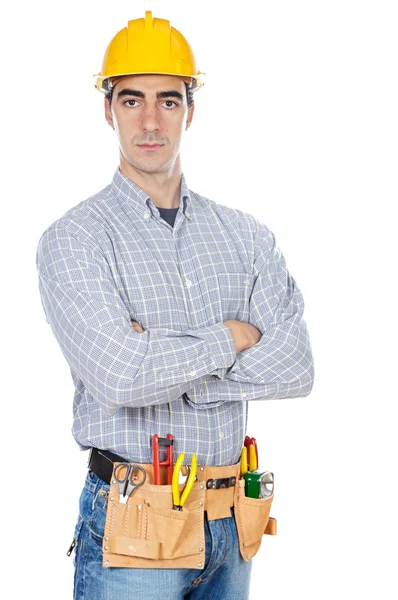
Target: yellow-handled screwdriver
{"x": 253, "y": 458}
{"x": 243, "y": 462}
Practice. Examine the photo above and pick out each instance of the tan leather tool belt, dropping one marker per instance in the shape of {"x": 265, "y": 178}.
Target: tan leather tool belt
{"x": 146, "y": 532}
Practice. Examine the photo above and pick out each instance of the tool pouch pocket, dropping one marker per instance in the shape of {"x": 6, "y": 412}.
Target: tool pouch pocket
{"x": 252, "y": 516}
{"x": 147, "y": 533}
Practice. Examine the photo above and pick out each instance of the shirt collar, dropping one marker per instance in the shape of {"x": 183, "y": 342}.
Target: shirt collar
{"x": 141, "y": 202}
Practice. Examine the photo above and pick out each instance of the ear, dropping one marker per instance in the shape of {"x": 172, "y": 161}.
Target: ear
{"x": 108, "y": 113}
{"x": 190, "y": 115}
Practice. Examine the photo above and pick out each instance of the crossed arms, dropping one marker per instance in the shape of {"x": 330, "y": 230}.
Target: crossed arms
{"x": 122, "y": 367}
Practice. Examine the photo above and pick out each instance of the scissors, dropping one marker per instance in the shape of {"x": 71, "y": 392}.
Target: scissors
{"x": 125, "y": 475}
{"x": 179, "y": 501}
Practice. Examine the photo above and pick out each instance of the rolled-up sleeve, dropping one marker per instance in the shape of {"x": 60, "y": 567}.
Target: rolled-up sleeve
{"x": 281, "y": 364}
{"x": 119, "y": 366}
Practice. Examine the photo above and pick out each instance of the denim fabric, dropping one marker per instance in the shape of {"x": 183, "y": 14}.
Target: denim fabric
{"x": 225, "y": 574}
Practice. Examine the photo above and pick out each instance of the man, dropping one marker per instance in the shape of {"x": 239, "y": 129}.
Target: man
{"x": 172, "y": 312}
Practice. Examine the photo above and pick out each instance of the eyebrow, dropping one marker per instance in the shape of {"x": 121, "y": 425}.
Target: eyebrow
{"x": 139, "y": 94}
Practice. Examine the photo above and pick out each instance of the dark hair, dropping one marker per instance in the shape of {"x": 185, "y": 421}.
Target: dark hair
{"x": 189, "y": 94}
{"x": 187, "y": 89}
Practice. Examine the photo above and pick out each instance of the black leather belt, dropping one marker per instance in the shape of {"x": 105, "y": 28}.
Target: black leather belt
{"x": 101, "y": 463}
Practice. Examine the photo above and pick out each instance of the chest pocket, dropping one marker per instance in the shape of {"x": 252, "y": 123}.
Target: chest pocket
{"x": 235, "y": 291}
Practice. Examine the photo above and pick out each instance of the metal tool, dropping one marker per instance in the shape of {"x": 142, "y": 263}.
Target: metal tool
{"x": 179, "y": 501}
{"x": 127, "y": 476}
{"x": 221, "y": 482}
{"x": 168, "y": 442}
{"x": 259, "y": 484}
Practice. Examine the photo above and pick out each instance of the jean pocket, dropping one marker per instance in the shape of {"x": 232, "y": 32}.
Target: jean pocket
{"x": 76, "y": 538}
{"x": 76, "y": 546}
{"x": 251, "y": 515}
{"x": 96, "y": 521}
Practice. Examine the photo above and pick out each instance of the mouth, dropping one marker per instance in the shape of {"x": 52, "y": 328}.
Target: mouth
{"x": 150, "y": 147}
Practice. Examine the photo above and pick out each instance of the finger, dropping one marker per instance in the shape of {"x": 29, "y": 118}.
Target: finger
{"x": 136, "y": 326}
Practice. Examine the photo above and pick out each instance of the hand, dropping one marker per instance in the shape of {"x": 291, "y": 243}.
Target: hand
{"x": 245, "y": 335}
{"x": 136, "y": 326}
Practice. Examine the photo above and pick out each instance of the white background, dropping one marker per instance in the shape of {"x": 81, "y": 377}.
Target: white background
{"x": 297, "y": 125}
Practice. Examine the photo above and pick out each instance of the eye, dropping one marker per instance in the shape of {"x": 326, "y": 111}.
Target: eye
{"x": 127, "y": 101}
{"x": 172, "y": 101}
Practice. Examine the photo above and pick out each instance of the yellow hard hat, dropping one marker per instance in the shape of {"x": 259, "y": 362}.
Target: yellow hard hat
{"x": 148, "y": 45}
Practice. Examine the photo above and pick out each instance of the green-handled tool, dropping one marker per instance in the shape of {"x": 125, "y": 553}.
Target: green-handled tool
{"x": 259, "y": 484}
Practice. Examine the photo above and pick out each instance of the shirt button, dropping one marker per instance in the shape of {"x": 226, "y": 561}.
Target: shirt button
{"x": 221, "y": 435}
{"x": 147, "y": 216}
{"x": 247, "y": 281}
{"x": 244, "y": 394}
{"x": 188, "y": 283}
{"x": 193, "y": 373}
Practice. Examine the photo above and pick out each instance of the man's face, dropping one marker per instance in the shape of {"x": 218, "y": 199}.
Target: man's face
{"x": 149, "y": 109}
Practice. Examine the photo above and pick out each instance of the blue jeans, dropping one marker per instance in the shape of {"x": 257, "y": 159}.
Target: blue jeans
{"x": 225, "y": 574}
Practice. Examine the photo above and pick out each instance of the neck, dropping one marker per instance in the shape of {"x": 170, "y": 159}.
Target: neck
{"x": 163, "y": 187}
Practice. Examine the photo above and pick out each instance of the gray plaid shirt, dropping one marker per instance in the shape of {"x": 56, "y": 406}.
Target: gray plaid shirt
{"x": 111, "y": 259}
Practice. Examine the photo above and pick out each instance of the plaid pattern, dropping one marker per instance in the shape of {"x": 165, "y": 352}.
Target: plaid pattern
{"x": 111, "y": 259}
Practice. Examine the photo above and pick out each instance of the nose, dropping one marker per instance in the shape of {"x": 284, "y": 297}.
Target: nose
{"x": 150, "y": 120}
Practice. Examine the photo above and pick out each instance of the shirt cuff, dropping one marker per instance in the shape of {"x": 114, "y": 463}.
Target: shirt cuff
{"x": 220, "y": 342}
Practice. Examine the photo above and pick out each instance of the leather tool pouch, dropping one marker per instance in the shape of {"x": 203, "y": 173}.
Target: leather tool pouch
{"x": 147, "y": 533}
{"x": 252, "y": 520}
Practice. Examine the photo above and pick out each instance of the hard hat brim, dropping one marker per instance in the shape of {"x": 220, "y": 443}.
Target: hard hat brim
{"x": 102, "y": 82}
